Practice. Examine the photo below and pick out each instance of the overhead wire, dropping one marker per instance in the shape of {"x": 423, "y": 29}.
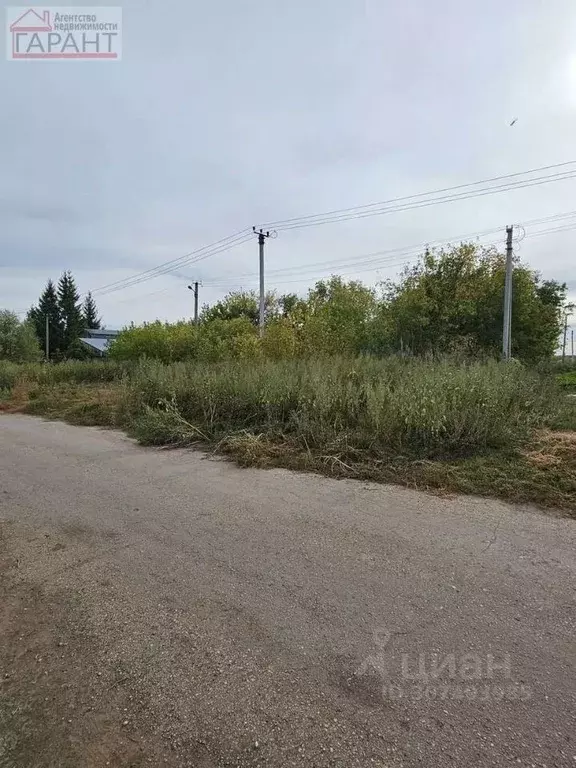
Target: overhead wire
{"x": 565, "y": 176}
{"x": 280, "y": 223}
{"x": 365, "y": 264}
{"x": 220, "y": 246}
{"x": 553, "y": 231}
{"x": 343, "y": 214}
{"x": 391, "y": 253}
{"x": 372, "y": 209}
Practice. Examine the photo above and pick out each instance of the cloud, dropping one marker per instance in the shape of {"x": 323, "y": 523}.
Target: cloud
{"x": 244, "y": 113}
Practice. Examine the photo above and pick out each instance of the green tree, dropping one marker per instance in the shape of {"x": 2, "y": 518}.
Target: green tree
{"x": 18, "y": 341}
{"x": 48, "y": 307}
{"x": 452, "y": 301}
{"x": 90, "y": 313}
{"x": 240, "y": 304}
{"x": 289, "y": 303}
{"x": 337, "y": 317}
{"x": 161, "y": 341}
{"x": 73, "y": 321}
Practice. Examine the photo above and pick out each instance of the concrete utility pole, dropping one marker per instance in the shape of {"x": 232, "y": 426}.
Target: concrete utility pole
{"x": 194, "y": 288}
{"x": 47, "y": 338}
{"x": 261, "y": 240}
{"x": 568, "y": 311}
{"x": 572, "y": 341}
{"x": 507, "y": 331}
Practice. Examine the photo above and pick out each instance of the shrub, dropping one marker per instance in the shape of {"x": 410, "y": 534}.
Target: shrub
{"x": 9, "y": 372}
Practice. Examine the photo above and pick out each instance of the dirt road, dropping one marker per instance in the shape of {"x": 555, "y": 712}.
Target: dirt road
{"x": 162, "y": 608}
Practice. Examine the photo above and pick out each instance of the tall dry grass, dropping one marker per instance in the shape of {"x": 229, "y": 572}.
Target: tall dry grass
{"x": 402, "y": 407}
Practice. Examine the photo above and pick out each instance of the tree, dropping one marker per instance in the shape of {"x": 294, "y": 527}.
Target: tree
{"x": 289, "y": 303}
{"x": 337, "y": 317}
{"x": 48, "y": 307}
{"x": 18, "y": 342}
{"x": 240, "y": 304}
{"x": 90, "y": 313}
{"x": 73, "y": 321}
{"x": 453, "y": 300}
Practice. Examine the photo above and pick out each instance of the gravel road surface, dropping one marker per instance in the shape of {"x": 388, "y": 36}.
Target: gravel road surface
{"x": 165, "y": 608}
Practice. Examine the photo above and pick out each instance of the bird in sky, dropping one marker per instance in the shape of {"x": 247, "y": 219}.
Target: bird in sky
{"x": 514, "y": 122}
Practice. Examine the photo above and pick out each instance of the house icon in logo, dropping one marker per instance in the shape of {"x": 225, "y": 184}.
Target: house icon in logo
{"x": 32, "y": 21}
{"x": 48, "y": 33}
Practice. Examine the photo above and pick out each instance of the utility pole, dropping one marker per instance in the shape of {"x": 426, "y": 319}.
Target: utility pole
{"x": 572, "y": 341}
{"x": 568, "y": 311}
{"x": 194, "y": 288}
{"x": 261, "y": 240}
{"x": 507, "y": 331}
{"x": 47, "y": 338}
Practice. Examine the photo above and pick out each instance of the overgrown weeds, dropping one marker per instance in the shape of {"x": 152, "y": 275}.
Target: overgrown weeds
{"x": 393, "y": 407}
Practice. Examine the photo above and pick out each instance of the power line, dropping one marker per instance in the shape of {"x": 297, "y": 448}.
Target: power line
{"x": 164, "y": 269}
{"x": 392, "y": 253}
{"x": 354, "y": 209}
{"x": 203, "y": 253}
{"x": 565, "y": 176}
{"x": 343, "y": 214}
{"x": 546, "y": 219}
{"x": 367, "y": 264}
{"x": 167, "y": 271}
{"x": 199, "y": 254}
{"x": 356, "y": 266}
{"x": 553, "y": 231}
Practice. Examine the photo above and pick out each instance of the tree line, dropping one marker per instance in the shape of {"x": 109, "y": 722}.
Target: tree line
{"x": 61, "y": 309}
{"x": 450, "y": 302}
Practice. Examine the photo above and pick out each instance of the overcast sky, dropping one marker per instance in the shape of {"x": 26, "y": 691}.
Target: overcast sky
{"x": 226, "y": 114}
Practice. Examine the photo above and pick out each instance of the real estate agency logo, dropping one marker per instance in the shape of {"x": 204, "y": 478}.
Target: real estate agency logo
{"x": 64, "y": 33}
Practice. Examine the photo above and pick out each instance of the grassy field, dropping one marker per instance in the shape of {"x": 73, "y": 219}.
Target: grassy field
{"x": 484, "y": 428}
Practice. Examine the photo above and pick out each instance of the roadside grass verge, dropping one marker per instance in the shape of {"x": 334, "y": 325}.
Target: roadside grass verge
{"x": 83, "y": 405}
{"x": 483, "y": 428}
{"x": 543, "y": 474}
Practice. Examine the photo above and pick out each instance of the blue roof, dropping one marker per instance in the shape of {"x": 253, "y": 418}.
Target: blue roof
{"x": 102, "y": 332}
{"x": 100, "y": 345}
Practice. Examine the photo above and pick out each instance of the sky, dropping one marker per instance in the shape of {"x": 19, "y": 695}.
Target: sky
{"x": 225, "y": 115}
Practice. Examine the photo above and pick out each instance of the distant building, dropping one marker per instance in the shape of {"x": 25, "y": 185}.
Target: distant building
{"x": 99, "y": 340}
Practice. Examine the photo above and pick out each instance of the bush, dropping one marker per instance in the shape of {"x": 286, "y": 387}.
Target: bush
{"x": 9, "y": 373}
{"x": 18, "y": 342}
{"x": 212, "y": 341}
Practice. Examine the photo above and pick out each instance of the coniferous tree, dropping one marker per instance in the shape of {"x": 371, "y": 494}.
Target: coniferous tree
{"x": 48, "y": 307}
{"x": 90, "y": 313}
{"x": 73, "y": 323}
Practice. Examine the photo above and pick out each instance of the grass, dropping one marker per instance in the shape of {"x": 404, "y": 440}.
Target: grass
{"x": 484, "y": 428}
{"x": 416, "y": 408}
{"x": 567, "y": 380}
